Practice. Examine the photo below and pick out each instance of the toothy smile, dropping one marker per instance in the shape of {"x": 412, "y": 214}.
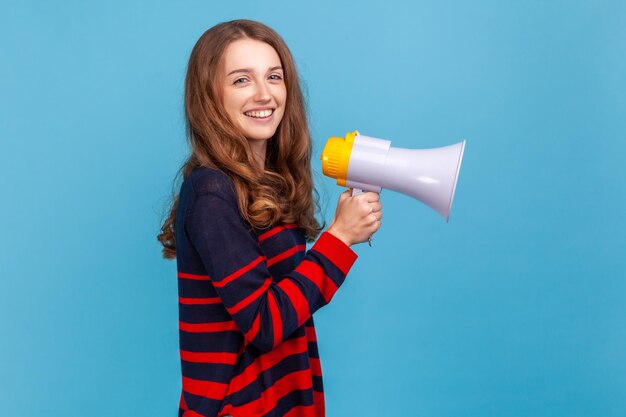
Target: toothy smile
{"x": 260, "y": 114}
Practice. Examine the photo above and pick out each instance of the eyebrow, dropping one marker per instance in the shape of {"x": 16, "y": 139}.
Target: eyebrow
{"x": 250, "y": 70}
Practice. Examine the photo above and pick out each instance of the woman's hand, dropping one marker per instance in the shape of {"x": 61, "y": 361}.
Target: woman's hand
{"x": 356, "y": 218}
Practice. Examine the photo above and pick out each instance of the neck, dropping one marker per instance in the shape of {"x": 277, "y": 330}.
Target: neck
{"x": 258, "y": 148}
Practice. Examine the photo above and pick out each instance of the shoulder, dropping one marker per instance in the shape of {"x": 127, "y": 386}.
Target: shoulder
{"x": 211, "y": 181}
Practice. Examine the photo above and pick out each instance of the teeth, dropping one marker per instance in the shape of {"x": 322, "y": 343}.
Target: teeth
{"x": 259, "y": 114}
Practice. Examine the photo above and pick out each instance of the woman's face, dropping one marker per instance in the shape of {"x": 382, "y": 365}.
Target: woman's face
{"x": 253, "y": 88}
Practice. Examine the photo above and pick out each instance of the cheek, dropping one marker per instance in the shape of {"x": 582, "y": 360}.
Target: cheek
{"x": 232, "y": 105}
{"x": 283, "y": 94}
{"x": 282, "y": 103}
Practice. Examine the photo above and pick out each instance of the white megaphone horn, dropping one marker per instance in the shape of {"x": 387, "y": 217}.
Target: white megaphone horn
{"x": 371, "y": 164}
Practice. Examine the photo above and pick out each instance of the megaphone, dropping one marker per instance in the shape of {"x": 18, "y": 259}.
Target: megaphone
{"x": 371, "y": 164}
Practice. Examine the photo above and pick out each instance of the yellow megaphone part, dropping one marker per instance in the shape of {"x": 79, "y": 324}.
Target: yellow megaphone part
{"x": 336, "y": 157}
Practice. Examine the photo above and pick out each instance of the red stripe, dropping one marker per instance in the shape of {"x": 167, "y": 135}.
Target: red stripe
{"x": 182, "y": 404}
{"x": 276, "y": 230}
{"x": 267, "y": 361}
{"x": 298, "y": 300}
{"x": 239, "y": 272}
{"x": 211, "y": 300}
{"x": 294, "y": 381}
{"x": 335, "y": 251}
{"x": 316, "y": 274}
{"x": 191, "y": 413}
{"x": 311, "y": 336}
{"x": 286, "y": 254}
{"x": 316, "y": 366}
{"x": 227, "y": 410}
{"x": 302, "y": 411}
{"x": 318, "y": 401}
{"x": 277, "y": 321}
{"x": 249, "y": 299}
{"x": 254, "y": 329}
{"x": 208, "y": 389}
{"x": 225, "y": 358}
{"x": 193, "y": 276}
{"x": 220, "y": 326}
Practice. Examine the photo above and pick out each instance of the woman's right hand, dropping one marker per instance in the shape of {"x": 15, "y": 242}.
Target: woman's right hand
{"x": 356, "y": 218}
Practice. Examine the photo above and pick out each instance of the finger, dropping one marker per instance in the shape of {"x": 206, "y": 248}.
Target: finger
{"x": 374, "y": 227}
{"x": 378, "y": 222}
{"x": 376, "y": 207}
{"x": 371, "y": 197}
{"x": 374, "y": 218}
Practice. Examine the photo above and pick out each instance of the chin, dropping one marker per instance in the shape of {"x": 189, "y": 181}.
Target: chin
{"x": 260, "y": 135}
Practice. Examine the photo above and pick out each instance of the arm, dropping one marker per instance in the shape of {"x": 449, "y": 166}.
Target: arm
{"x": 266, "y": 311}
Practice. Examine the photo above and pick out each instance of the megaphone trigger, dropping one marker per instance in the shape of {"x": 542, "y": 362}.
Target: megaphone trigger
{"x": 356, "y": 191}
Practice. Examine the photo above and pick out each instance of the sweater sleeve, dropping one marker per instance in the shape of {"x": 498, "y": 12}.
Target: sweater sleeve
{"x": 266, "y": 309}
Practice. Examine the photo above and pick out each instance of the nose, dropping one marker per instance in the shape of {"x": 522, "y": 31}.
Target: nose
{"x": 262, "y": 92}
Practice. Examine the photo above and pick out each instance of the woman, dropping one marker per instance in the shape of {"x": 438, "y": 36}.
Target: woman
{"x": 238, "y": 229}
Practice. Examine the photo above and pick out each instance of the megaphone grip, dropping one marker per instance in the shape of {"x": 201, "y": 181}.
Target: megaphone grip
{"x": 355, "y": 192}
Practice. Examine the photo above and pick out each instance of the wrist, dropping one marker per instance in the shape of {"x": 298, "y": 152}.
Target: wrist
{"x": 339, "y": 235}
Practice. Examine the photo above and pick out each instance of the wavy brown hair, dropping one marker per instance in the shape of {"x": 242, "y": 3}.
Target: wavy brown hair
{"x": 281, "y": 192}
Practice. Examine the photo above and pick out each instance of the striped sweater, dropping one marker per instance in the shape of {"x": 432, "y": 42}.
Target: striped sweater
{"x": 246, "y": 297}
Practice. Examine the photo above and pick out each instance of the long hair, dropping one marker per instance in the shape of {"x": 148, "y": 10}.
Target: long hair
{"x": 281, "y": 192}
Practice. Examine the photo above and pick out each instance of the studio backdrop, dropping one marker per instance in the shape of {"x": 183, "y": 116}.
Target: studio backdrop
{"x": 515, "y": 307}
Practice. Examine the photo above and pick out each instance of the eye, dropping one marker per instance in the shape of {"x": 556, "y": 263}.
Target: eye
{"x": 240, "y": 80}
{"x": 275, "y": 77}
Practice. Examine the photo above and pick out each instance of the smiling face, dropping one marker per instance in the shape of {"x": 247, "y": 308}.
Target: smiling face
{"x": 253, "y": 88}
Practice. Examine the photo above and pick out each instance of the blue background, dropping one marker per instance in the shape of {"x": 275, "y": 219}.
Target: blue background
{"x": 514, "y": 308}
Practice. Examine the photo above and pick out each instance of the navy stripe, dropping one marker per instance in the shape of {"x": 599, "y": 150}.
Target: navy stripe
{"x": 289, "y": 401}
{"x": 189, "y": 288}
{"x": 203, "y": 313}
{"x": 218, "y": 372}
{"x": 211, "y": 342}
{"x": 317, "y": 383}
{"x": 313, "y": 351}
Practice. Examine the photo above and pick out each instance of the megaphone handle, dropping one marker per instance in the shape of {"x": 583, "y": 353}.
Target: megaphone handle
{"x": 355, "y": 192}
